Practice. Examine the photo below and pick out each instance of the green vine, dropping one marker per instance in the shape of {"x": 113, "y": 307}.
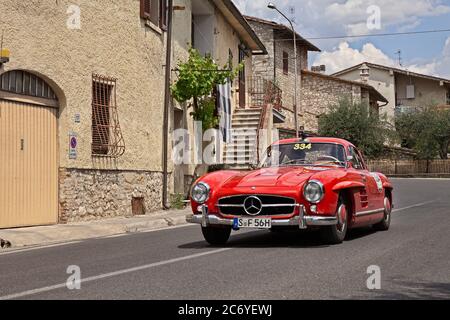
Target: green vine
{"x": 196, "y": 80}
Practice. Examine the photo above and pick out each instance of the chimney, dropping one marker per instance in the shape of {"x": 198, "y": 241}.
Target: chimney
{"x": 364, "y": 73}
{"x": 319, "y": 69}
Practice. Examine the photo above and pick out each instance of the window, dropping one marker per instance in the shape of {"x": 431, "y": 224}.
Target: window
{"x": 285, "y": 62}
{"x": 25, "y": 83}
{"x": 107, "y": 138}
{"x": 357, "y": 161}
{"x": 155, "y": 11}
{"x": 448, "y": 96}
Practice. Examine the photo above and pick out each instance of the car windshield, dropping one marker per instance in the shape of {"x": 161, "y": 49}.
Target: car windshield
{"x": 304, "y": 154}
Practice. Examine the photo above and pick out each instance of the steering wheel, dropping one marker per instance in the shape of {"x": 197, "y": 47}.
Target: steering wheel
{"x": 328, "y": 158}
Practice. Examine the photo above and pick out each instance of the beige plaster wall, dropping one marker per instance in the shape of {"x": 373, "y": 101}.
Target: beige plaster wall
{"x": 113, "y": 41}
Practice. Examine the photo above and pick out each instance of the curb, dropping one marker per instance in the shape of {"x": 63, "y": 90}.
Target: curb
{"x": 36, "y": 239}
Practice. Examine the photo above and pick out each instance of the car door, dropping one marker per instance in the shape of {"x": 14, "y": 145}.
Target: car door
{"x": 370, "y": 198}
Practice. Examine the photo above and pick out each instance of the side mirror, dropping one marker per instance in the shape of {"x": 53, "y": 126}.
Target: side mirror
{"x": 350, "y": 161}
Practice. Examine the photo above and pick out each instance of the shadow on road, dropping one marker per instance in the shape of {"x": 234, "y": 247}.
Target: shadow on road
{"x": 287, "y": 239}
{"x": 403, "y": 289}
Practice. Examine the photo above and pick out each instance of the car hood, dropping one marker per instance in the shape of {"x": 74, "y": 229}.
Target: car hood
{"x": 273, "y": 177}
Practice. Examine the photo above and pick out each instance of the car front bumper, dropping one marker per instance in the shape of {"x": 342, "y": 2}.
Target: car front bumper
{"x": 301, "y": 221}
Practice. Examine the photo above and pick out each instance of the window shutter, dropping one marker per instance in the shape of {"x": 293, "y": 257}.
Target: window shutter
{"x": 145, "y": 9}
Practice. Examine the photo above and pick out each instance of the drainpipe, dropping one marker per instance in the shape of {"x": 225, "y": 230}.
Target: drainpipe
{"x": 167, "y": 105}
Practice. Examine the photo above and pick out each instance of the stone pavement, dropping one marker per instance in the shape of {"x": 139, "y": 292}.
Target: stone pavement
{"x": 47, "y": 235}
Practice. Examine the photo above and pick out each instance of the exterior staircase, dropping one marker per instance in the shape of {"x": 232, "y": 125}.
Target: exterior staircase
{"x": 241, "y": 152}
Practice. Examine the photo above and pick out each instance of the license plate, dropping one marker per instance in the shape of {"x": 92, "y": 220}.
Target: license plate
{"x": 258, "y": 223}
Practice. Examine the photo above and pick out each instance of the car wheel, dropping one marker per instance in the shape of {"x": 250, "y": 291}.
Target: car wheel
{"x": 336, "y": 234}
{"x": 216, "y": 236}
{"x": 385, "y": 224}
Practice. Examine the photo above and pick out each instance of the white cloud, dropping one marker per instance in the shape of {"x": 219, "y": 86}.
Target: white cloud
{"x": 349, "y": 17}
{"x": 344, "y": 57}
{"x": 440, "y": 66}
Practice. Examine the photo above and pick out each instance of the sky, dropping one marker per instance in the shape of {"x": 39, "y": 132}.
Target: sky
{"x": 424, "y": 53}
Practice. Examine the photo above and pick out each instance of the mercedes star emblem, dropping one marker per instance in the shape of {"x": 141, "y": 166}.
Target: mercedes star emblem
{"x": 253, "y": 206}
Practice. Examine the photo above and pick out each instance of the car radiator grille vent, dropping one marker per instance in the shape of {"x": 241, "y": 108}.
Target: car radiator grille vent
{"x": 271, "y": 205}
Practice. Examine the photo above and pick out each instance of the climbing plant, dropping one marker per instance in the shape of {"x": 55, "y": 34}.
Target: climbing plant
{"x": 197, "y": 77}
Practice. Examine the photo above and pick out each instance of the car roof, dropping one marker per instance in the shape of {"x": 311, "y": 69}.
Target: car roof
{"x": 315, "y": 140}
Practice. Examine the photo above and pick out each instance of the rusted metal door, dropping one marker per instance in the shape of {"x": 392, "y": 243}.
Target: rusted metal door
{"x": 28, "y": 165}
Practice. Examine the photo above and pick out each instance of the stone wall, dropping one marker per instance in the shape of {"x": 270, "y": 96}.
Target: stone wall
{"x": 87, "y": 195}
{"x": 318, "y": 93}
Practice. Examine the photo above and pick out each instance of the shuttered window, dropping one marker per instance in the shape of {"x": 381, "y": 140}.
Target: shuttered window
{"x": 155, "y": 11}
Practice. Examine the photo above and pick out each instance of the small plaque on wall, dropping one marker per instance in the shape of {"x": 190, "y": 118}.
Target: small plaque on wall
{"x": 73, "y": 145}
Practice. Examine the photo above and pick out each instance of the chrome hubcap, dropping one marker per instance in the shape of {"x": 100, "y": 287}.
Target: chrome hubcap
{"x": 387, "y": 209}
{"x": 342, "y": 218}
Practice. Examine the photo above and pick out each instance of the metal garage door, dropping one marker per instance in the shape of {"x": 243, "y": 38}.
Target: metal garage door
{"x": 28, "y": 165}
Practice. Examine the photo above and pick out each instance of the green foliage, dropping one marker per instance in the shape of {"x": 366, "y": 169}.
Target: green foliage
{"x": 205, "y": 113}
{"x": 426, "y": 131}
{"x": 196, "y": 80}
{"x": 354, "y": 122}
{"x": 198, "y": 76}
{"x": 177, "y": 201}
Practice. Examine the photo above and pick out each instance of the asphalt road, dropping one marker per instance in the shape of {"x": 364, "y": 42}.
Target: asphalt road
{"x": 413, "y": 256}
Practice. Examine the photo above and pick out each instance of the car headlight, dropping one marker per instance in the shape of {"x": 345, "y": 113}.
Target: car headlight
{"x": 313, "y": 191}
{"x": 200, "y": 192}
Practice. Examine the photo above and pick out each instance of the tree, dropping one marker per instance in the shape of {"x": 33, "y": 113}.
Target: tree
{"x": 196, "y": 80}
{"x": 426, "y": 131}
{"x": 355, "y": 123}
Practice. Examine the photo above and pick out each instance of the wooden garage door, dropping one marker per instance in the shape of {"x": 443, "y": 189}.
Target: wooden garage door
{"x": 28, "y": 165}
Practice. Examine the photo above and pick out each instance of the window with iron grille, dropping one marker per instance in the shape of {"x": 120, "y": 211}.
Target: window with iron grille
{"x": 285, "y": 62}
{"x": 107, "y": 139}
{"x": 155, "y": 11}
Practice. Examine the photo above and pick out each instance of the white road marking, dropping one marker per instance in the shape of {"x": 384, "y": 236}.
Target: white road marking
{"x": 26, "y": 249}
{"x": 414, "y": 206}
{"x": 112, "y": 274}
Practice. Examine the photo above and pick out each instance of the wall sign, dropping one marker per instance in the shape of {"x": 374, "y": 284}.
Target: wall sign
{"x": 77, "y": 118}
{"x": 73, "y": 144}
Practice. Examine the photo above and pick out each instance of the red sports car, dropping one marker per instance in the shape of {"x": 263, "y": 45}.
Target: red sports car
{"x": 301, "y": 183}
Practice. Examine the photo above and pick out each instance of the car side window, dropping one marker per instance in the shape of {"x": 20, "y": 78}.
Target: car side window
{"x": 356, "y": 161}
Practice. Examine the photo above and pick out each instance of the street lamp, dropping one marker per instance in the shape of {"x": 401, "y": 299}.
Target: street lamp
{"x": 274, "y": 7}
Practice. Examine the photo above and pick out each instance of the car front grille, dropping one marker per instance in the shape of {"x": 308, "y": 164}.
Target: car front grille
{"x": 271, "y": 205}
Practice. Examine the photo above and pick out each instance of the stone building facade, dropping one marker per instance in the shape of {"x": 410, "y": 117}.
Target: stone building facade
{"x": 278, "y": 65}
{"x": 316, "y": 91}
{"x": 69, "y": 50}
{"x": 319, "y": 92}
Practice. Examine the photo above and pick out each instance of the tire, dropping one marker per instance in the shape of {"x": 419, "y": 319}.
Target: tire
{"x": 336, "y": 234}
{"x": 216, "y": 236}
{"x": 386, "y": 223}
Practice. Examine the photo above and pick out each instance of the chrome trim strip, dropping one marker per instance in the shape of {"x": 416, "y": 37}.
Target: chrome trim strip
{"x": 264, "y": 205}
{"x": 293, "y": 222}
{"x": 370, "y": 212}
{"x": 256, "y": 195}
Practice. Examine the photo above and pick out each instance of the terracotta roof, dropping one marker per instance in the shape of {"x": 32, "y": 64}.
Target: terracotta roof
{"x": 374, "y": 92}
{"x": 397, "y": 70}
{"x": 282, "y": 27}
